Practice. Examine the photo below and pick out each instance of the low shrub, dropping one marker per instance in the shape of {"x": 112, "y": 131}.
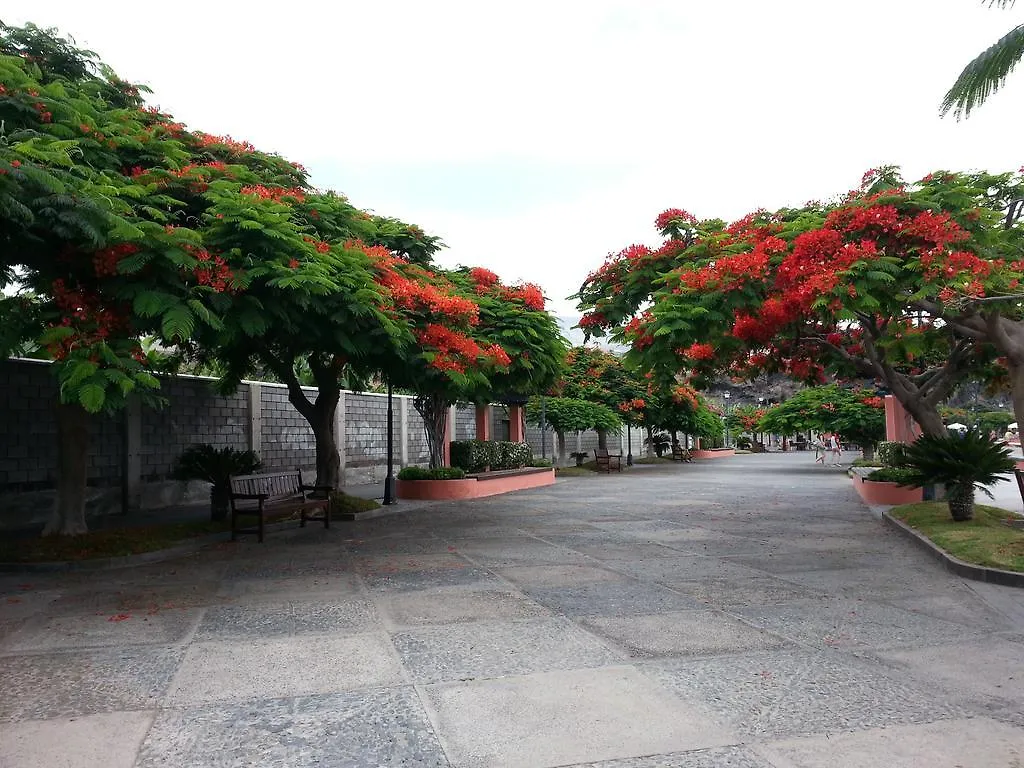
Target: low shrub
{"x": 509, "y": 455}
{"x": 867, "y": 463}
{"x": 535, "y": 462}
{"x": 743, "y": 443}
{"x": 473, "y": 455}
{"x": 424, "y": 473}
{"x": 901, "y": 475}
{"x": 891, "y": 453}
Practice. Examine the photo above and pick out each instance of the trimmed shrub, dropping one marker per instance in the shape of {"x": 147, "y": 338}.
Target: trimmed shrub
{"x": 535, "y": 462}
{"x": 509, "y": 455}
{"x": 902, "y": 475}
{"x": 423, "y": 473}
{"x": 891, "y": 453}
{"x": 473, "y": 455}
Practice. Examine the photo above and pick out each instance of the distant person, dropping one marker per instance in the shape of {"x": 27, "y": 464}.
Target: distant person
{"x": 819, "y": 451}
{"x": 835, "y": 448}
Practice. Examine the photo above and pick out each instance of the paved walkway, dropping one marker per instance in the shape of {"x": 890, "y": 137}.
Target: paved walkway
{"x": 744, "y": 612}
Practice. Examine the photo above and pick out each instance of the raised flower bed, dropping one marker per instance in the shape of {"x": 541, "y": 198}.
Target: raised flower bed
{"x": 881, "y": 492}
{"x": 477, "y": 485}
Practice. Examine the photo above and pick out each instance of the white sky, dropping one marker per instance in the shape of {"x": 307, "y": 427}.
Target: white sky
{"x": 536, "y": 137}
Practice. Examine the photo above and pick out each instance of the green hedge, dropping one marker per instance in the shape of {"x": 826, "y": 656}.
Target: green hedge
{"x": 477, "y": 455}
{"x": 901, "y": 475}
{"x": 422, "y": 473}
{"x": 891, "y": 453}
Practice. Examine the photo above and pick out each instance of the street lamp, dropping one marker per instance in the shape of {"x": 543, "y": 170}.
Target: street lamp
{"x": 389, "y": 481}
{"x": 727, "y": 429}
{"x": 629, "y": 445}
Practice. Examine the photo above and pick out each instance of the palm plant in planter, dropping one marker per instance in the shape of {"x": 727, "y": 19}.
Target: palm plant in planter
{"x": 960, "y": 463}
{"x": 215, "y": 466}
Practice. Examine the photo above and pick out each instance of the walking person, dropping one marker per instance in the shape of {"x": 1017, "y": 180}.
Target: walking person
{"x": 819, "y": 450}
{"x": 835, "y": 448}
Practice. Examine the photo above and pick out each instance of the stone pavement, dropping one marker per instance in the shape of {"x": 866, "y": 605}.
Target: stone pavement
{"x": 745, "y": 612}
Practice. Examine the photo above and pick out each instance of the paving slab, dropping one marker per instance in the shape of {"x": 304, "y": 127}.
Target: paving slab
{"x": 60, "y": 685}
{"x": 740, "y": 592}
{"x": 496, "y": 649}
{"x": 235, "y": 622}
{"x": 238, "y": 671}
{"x": 558, "y": 575}
{"x": 560, "y": 718}
{"x": 845, "y": 623}
{"x": 992, "y": 669}
{"x": 455, "y": 605}
{"x": 611, "y": 598}
{"x": 104, "y": 630}
{"x": 376, "y": 727}
{"x": 724, "y": 757}
{"x": 109, "y": 740}
{"x": 969, "y": 743}
{"x": 776, "y": 694}
{"x": 680, "y": 634}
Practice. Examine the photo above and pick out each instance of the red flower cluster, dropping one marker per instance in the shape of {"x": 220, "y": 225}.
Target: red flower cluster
{"x": 208, "y": 140}
{"x": 699, "y": 351}
{"x": 673, "y": 216}
{"x": 482, "y": 278}
{"x": 92, "y": 319}
{"x": 498, "y": 355}
{"x": 528, "y": 293}
{"x": 274, "y": 193}
{"x": 105, "y": 260}
{"x": 453, "y": 351}
{"x": 211, "y": 270}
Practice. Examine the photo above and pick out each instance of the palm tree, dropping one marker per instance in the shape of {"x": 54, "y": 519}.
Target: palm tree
{"x": 987, "y": 73}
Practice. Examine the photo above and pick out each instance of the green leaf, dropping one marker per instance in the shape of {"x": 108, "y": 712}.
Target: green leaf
{"x": 92, "y": 397}
{"x": 178, "y": 323}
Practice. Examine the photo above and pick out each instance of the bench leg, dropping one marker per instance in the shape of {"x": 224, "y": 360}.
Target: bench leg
{"x": 261, "y": 525}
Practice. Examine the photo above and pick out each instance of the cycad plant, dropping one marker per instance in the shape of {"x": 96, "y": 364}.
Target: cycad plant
{"x": 215, "y": 466}
{"x": 960, "y": 463}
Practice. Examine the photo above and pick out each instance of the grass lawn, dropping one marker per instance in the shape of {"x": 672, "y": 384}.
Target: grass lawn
{"x": 983, "y": 540}
{"x": 654, "y": 460}
{"x": 133, "y": 541}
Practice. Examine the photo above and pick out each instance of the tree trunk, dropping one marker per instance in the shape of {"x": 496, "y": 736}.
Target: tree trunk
{"x": 1017, "y": 390}
{"x": 434, "y": 411}
{"x": 320, "y": 414}
{"x": 867, "y": 450}
{"x": 72, "y": 472}
{"x": 561, "y": 446}
{"x": 602, "y": 439}
{"x": 960, "y": 499}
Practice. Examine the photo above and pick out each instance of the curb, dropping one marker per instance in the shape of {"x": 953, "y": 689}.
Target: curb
{"x": 953, "y": 564}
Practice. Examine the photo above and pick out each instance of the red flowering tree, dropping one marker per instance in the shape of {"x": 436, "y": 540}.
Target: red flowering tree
{"x": 835, "y": 289}
{"x": 119, "y": 223}
{"x": 476, "y": 340}
{"x": 598, "y": 376}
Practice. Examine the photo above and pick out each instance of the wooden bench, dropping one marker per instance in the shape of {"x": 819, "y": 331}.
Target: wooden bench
{"x": 607, "y": 461}
{"x": 275, "y": 492}
{"x": 681, "y": 454}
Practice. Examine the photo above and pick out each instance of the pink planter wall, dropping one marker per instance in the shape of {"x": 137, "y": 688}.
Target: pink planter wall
{"x": 472, "y": 487}
{"x": 886, "y": 493}
{"x": 715, "y": 454}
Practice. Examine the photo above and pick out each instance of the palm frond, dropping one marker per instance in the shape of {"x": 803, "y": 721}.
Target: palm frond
{"x": 1001, "y": 3}
{"x": 985, "y": 75}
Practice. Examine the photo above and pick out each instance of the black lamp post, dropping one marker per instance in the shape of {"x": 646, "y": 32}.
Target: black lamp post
{"x": 543, "y": 428}
{"x": 389, "y": 481}
{"x": 629, "y": 445}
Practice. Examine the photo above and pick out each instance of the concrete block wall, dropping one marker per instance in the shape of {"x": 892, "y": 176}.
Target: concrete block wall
{"x": 136, "y": 448}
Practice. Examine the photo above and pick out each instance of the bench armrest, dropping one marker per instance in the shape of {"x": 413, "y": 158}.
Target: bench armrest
{"x": 260, "y": 496}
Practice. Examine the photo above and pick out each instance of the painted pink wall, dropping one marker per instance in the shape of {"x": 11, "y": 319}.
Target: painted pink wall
{"x": 899, "y": 425}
